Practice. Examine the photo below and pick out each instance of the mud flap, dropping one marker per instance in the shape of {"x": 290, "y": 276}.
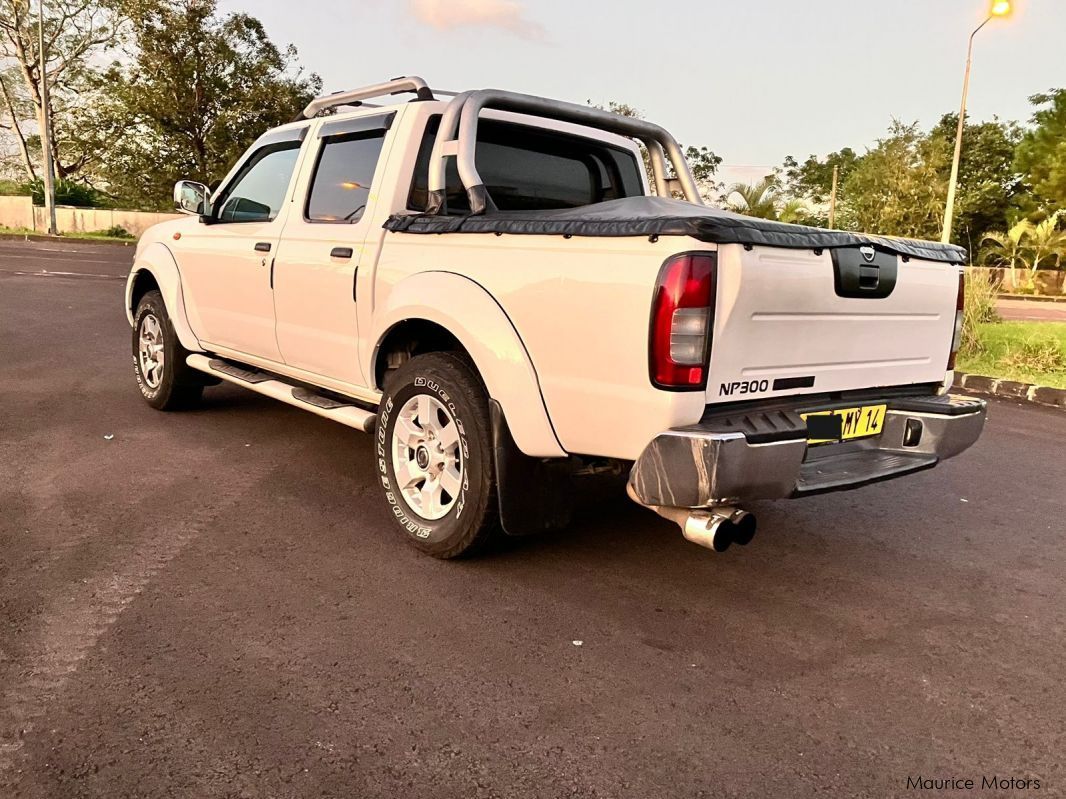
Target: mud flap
{"x": 534, "y": 494}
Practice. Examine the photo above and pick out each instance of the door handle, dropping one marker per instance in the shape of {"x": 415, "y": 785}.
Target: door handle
{"x": 340, "y": 252}
{"x": 263, "y": 246}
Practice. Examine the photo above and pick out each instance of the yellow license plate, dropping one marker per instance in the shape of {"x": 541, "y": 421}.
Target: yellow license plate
{"x": 844, "y": 424}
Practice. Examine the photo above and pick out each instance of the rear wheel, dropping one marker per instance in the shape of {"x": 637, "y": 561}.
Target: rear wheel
{"x": 165, "y": 380}
{"x": 434, "y": 452}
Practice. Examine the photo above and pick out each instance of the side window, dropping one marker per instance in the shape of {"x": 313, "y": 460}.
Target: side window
{"x": 527, "y": 168}
{"x": 258, "y": 192}
{"x": 341, "y": 183}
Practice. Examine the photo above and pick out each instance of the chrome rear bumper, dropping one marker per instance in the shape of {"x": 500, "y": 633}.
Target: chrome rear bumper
{"x": 764, "y": 455}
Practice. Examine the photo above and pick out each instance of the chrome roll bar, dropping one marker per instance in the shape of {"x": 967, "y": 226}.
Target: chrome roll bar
{"x": 457, "y": 137}
{"x": 444, "y": 146}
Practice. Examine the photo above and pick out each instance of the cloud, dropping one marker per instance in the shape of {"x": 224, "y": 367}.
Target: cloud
{"x": 507, "y": 15}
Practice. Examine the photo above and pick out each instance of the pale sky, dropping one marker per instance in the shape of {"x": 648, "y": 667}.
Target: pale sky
{"x": 755, "y": 80}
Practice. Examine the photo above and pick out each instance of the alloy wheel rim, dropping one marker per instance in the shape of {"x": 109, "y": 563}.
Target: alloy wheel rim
{"x": 427, "y": 458}
{"x": 150, "y": 350}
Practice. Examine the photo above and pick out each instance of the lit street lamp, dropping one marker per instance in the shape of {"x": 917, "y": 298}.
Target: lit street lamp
{"x": 999, "y": 8}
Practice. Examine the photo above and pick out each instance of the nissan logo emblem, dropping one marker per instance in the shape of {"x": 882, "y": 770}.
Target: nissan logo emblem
{"x": 868, "y": 254}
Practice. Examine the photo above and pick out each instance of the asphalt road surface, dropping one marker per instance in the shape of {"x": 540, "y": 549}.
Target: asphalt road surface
{"x": 215, "y": 604}
{"x": 1031, "y": 310}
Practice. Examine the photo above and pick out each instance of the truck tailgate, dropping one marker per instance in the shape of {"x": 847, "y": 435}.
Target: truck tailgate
{"x": 781, "y": 328}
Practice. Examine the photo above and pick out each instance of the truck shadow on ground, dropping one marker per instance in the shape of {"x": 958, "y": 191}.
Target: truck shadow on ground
{"x": 822, "y": 543}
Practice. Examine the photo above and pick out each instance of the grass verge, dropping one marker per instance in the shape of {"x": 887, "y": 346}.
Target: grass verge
{"x": 102, "y": 235}
{"x": 1030, "y": 352}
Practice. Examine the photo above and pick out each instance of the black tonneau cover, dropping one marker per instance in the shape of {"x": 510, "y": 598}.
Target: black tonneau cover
{"x": 658, "y": 216}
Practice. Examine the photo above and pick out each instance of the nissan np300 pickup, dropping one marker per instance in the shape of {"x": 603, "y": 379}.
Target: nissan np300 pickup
{"x": 490, "y": 285}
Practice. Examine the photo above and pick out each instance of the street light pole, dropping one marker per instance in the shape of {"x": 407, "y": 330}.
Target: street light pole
{"x": 1000, "y": 8}
{"x": 46, "y": 129}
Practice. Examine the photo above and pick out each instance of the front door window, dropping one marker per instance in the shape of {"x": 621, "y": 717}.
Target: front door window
{"x": 257, "y": 193}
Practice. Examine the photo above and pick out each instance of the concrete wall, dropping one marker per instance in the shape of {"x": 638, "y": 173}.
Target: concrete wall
{"x": 16, "y": 212}
{"x": 1049, "y": 282}
{"x": 20, "y": 212}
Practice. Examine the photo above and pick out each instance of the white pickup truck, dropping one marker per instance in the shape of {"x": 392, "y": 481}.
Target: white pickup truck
{"x": 487, "y": 283}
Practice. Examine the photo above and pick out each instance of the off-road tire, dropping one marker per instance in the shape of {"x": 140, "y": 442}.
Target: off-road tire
{"x": 472, "y": 522}
{"x": 177, "y": 387}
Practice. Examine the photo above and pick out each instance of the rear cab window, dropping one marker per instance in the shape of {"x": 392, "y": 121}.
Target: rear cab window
{"x": 341, "y": 182}
{"x": 528, "y": 168}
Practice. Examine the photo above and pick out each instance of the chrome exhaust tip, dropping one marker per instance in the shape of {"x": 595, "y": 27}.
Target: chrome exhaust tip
{"x": 716, "y": 529}
{"x": 719, "y": 529}
{"x": 743, "y": 527}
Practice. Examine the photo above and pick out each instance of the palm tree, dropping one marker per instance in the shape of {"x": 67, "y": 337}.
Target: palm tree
{"x": 756, "y": 199}
{"x": 794, "y": 211}
{"x": 1046, "y": 242}
{"x": 1009, "y": 249}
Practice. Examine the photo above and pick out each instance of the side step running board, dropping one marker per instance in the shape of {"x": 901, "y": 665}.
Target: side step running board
{"x": 297, "y": 396}
{"x": 322, "y": 400}
{"x": 221, "y": 367}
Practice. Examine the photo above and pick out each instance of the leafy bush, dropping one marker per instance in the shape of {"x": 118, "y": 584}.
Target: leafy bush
{"x": 68, "y": 192}
{"x": 10, "y": 188}
{"x": 980, "y": 307}
{"x": 1035, "y": 354}
{"x": 117, "y": 232}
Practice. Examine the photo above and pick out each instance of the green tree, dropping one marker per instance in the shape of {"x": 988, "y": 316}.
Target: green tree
{"x": 1009, "y": 249}
{"x": 704, "y": 165}
{"x": 756, "y": 199}
{"x": 795, "y": 211}
{"x": 1047, "y": 243}
{"x": 898, "y": 188}
{"x": 988, "y": 183}
{"x": 1037, "y": 246}
{"x": 1041, "y": 155}
{"x": 198, "y": 89}
{"x": 77, "y": 33}
{"x": 812, "y": 180}
{"x": 766, "y": 200}
{"x": 701, "y": 160}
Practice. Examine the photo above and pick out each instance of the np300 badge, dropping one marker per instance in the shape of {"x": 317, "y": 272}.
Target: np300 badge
{"x": 743, "y": 387}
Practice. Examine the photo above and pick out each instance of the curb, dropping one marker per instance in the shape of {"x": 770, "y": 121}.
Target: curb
{"x": 1012, "y": 389}
{"x": 1031, "y": 297}
{"x": 66, "y": 239}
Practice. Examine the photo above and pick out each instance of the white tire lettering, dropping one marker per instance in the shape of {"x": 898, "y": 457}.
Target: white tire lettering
{"x": 412, "y": 526}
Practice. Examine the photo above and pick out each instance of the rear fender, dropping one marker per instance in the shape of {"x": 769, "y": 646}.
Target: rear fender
{"x": 466, "y": 310}
{"x": 158, "y": 261}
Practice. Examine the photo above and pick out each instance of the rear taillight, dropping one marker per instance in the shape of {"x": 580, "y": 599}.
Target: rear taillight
{"x": 682, "y": 316}
{"x": 960, "y": 305}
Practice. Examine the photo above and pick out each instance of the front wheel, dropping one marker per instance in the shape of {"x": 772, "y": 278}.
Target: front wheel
{"x": 165, "y": 380}
{"x": 434, "y": 453}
